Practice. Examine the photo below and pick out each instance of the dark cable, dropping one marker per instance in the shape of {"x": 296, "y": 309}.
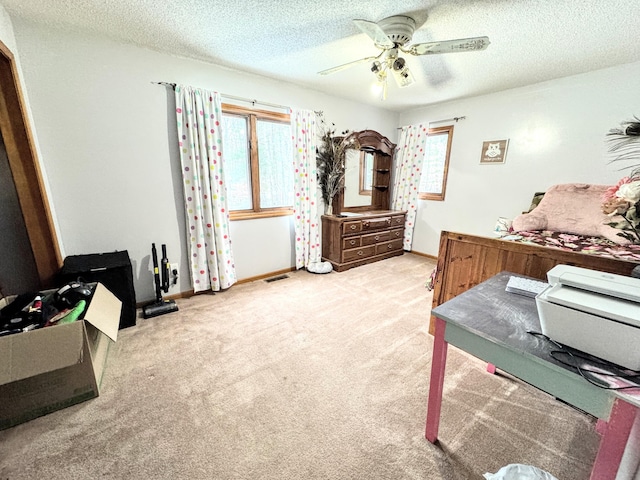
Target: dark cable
{"x": 584, "y": 371}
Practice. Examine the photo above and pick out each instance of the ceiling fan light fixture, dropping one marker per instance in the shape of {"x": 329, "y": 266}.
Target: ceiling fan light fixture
{"x": 404, "y": 77}
{"x": 399, "y": 64}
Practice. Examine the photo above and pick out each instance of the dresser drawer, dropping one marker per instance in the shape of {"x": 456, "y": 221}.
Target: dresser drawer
{"x": 357, "y": 253}
{"x": 373, "y": 238}
{"x": 351, "y": 242}
{"x": 351, "y": 227}
{"x": 396, "y": 233}
{"x": 397, "y": 221}
{"x": 391, "y": 246}
{"x": 376, "y": 223}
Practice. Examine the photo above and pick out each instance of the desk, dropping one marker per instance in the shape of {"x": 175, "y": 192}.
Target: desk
{"x": 492, "y": 324}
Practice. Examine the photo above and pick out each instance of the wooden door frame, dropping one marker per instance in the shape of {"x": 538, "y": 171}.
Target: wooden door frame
{"x": 26, "y": 172}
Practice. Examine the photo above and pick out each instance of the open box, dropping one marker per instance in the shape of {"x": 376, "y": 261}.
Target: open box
{"x": 55, "y": 367}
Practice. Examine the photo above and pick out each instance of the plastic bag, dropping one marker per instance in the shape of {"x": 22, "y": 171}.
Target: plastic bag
{"x": 516, "y": 471}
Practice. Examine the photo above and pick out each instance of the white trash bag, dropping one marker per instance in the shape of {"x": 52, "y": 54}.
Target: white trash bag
{"x": 516, "y": 471}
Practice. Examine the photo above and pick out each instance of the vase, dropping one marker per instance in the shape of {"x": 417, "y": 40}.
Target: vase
{"x": 328, "y": 209}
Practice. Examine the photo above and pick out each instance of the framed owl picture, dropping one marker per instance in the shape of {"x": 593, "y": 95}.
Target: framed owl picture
{"x": 494, "y": 151}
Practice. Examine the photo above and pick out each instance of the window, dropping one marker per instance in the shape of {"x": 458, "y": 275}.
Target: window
{"x": 257, "y": 152}
{"x": 436, "y": 163}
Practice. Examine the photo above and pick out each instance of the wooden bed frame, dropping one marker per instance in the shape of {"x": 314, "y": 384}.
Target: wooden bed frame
{"x": 467, "y": 260}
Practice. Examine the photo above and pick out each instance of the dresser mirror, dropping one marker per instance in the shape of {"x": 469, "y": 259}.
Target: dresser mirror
{"x": 367, "y": 175}
{"x": 358, "y": 178}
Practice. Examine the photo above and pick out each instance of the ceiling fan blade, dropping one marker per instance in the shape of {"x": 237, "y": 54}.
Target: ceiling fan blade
{"x": 350, "y": 64}
{"x": 376, "y": 33}
{"x": 449, "y": 46}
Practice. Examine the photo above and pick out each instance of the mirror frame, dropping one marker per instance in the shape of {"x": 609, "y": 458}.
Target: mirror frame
{"x": 382, "y": 149}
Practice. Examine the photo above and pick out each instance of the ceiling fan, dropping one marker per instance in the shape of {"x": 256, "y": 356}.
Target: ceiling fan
{"x": 392, "y": 35}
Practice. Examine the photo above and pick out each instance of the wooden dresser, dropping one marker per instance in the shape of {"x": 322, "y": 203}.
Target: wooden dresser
{"x": 352, "y": 241}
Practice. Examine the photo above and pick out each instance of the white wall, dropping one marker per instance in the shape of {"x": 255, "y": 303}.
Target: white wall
{"x": 556, "y": 133}
{"x": 7, "y": 37}
{"x": 106, "y": 135}
{"x": 6, "y": 30}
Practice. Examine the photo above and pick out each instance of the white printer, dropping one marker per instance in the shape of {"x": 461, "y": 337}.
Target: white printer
{"x": 595, "y": 312}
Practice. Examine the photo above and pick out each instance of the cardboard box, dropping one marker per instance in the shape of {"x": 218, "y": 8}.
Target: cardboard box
{"x": 55, "y": 367}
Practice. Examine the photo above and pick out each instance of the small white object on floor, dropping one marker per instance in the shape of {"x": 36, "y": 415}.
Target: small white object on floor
{"x": 517, "y": 471}
{"x": 320, "y": 267}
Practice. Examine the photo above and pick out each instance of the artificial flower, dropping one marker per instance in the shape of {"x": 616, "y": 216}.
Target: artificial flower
{"x": 615, "y": 206}
{"x": 611, "y": 192}
{"x": 622, "y": 204}
{"x": 630, "y": 191}
{"x": 330, "y": 159}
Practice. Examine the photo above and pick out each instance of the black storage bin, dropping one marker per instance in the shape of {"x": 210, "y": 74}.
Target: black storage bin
{"x": 113, "y": 270}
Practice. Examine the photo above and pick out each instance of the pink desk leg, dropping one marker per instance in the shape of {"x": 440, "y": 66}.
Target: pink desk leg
{"x": 436, "y": 384}
{"x": 614, "y": 441}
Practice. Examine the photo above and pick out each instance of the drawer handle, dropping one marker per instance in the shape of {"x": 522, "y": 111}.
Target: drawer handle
{"x": 397, "y": 234}
{"x": 377, "y": 237}
{"x": 353, "y": 227}
{"x": 388, "y": 221}
{"x": 352, "y": 242}
{"x": 390, "y": 246}
{"x": 365, "y": 224}
{"x": 360, "y": 252}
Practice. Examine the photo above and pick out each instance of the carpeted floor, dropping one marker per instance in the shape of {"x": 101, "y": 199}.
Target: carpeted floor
{"x": 309, "y": 377}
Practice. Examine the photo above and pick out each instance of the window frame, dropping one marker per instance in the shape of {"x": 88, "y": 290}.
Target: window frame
{"x": 253, "y": 115}
{"x": 448, "y": 129}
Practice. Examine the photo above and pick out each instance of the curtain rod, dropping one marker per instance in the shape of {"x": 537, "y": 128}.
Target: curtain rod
{"x": 456, "y": 119}
{"x": 253, "y": 102}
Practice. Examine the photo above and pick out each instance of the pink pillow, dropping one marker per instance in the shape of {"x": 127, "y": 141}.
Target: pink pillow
{"x": 571, "y": 208}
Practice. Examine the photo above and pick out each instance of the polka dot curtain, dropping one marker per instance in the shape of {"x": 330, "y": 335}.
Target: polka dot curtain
{"x": 408, "y": 161}
{"x": 199, "y": 116}
{"x": 307, "y": 229}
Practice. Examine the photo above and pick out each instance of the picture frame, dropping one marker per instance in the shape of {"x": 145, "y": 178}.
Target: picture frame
{"x": 494, "y": 152}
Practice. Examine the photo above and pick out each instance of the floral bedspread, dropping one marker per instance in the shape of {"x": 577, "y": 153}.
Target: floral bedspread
{"x": 578, "y": 243}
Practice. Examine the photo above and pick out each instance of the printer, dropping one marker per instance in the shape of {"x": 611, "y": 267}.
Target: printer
{"x": 595, "y": 312}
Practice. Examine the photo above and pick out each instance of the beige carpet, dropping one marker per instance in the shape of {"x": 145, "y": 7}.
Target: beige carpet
{"x": 309, "y": 377}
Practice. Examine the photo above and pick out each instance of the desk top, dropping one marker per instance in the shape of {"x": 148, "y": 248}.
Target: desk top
{"x": 500, "y": 316}
{"x": 499, "y": 322}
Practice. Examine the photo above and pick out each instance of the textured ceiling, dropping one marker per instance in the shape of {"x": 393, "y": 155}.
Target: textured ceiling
{"x": 531, "y": 40}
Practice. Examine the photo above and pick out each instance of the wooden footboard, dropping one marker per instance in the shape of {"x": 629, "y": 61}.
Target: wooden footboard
{"x": 467, "y": 260}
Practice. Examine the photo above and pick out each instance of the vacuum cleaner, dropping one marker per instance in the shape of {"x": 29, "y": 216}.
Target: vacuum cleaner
{"x": 160, "y": 306}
